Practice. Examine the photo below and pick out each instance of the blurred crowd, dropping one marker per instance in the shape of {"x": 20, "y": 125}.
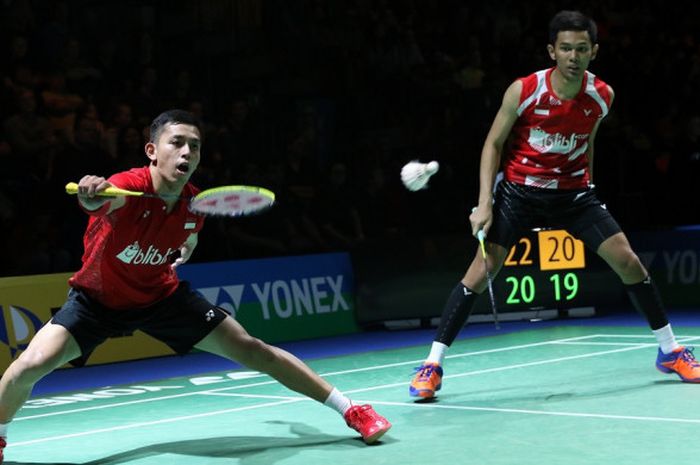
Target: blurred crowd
{"x": 323, "y": 102}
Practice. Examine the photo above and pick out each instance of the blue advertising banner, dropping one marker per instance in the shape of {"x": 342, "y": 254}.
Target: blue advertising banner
{"x": 282, "y": 299}
{"x": 673, "y": 260}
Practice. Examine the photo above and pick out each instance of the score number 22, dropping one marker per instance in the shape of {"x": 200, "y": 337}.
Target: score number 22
{"x": 558, "y": 250}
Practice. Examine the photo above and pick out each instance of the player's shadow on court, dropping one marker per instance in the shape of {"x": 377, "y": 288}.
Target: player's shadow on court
{"x": 250, "y": 450}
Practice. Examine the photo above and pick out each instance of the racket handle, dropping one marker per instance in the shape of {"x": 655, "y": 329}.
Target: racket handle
{"x": 72, "y": 188}
{"x": 480, "y": 235}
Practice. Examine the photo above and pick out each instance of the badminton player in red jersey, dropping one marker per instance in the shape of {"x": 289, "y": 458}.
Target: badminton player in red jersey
{"x": 551, "y": 118}
{"x": 128, "y": 282}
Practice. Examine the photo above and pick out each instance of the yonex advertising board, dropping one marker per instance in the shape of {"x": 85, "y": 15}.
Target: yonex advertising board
{"x": 277, "y": 299}
{"x": 27, "y": 302}
{"x": 282, "y": 299}
{"x": 673, "y": 260}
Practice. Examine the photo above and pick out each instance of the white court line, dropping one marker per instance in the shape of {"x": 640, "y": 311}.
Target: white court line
{"x": 538, "y": 412}
{"x": 155, "y": 422}
{"x": 621, "y": 336}
{"x": 292, "y": 400}
{"x": 354, "y": 370}
{"x": 265, "y": 383}
{"x": 591, "y": 343}
{"x": 253, "y": 396}
{"x": 510, "y": 367}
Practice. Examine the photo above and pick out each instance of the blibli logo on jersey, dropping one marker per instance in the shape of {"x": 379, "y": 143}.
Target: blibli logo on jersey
{"x": 544, "y": 142}
{"x": 134, "y": 255}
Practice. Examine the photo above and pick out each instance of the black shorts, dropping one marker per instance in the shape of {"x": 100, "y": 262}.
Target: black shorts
{"x": 180, "y": 320}
{"x": 518, "y": 208}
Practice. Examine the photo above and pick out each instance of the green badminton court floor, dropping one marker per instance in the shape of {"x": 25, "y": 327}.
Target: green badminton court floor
{"x": 557, "y": 395}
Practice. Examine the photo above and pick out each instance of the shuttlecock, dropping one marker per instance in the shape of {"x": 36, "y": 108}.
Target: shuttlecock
{"x": 415, "y": 175}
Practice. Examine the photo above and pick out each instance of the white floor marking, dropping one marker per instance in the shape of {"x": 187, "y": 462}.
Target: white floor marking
{"x": 287, "y": 399}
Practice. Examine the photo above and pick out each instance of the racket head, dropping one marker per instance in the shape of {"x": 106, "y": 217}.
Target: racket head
{"x": 232, "y": 201}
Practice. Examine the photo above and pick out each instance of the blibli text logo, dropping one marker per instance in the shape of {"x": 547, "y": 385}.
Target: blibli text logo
{"x": 544, "y": 142}
{"x": 18, "y": 327}
{"x": 133, "y": 254}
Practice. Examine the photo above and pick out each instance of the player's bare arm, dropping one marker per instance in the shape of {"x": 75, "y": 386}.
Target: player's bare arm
{"x": 186, "y": 250}
{"x": 491, "y": 156}
{"x": 89, "y": 189}
{"x": 591, "y": 140}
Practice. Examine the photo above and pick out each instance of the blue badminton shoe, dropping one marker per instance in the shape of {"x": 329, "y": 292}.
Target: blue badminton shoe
{"x": 428, "y": 379}
{"x": 681, "y": 362}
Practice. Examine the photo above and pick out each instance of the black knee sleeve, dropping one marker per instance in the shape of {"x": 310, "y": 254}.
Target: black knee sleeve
{"x": 646, "y": 299}
{"x": 457, "y": 309}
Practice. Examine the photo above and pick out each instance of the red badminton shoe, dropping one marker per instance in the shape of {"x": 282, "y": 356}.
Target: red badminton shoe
{"x": 681, "y": 362}
{"x": 3, "y": 444}
{"x": 367, "y": 422}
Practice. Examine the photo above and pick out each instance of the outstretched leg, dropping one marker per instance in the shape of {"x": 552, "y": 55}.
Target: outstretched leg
{"x": 671, "y": 357}
{"x": 50, "y": 348}
{"x": 232, "y": 341}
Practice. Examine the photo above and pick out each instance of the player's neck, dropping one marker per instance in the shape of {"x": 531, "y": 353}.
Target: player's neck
{"x": 168, "y": 191}
{"x": 565, "y": 88}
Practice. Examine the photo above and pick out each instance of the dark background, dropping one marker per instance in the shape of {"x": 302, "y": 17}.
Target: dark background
{"x": 323, "y": 102}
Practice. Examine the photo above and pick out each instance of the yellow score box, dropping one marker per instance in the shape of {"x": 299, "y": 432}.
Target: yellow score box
{"x": 559, "y": 250}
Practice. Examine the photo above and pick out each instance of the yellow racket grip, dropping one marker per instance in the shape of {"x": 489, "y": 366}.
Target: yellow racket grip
{"x": 480, "y": 236}
{"x": 72, "y": 188}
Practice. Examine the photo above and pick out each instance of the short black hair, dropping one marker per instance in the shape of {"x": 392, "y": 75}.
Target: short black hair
{"x": 172, "y": 117}
{"x": 570, "y": 20}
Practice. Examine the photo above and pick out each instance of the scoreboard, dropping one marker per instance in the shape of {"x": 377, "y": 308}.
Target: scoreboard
{"x": 550, "y": 269}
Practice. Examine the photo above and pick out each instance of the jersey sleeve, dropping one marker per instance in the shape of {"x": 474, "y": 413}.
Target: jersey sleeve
{"x": 529, "y": 86}
{"x": 603, "y": 90}
{"x": 128, "y": 180}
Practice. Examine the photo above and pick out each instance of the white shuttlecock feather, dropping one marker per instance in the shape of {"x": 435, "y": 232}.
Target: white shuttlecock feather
{"x": 415, "y": 175}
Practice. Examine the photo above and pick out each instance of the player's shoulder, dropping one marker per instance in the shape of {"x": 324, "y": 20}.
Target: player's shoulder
{"x": 135, "y": 179}
{"x": 533, "y": 80}
{"x": 532, "y": 83}
{"x": 599, "y": 86}
{"x": 525, "y": 88}
{"x": 190, "y": 190}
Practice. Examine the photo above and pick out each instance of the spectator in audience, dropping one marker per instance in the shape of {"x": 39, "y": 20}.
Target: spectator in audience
{"x": 337, "y": 212}
{"x": 31, "y": 137}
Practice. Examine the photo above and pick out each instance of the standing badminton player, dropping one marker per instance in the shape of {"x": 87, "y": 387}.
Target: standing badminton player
{"x": 121, "y": 288}
{"x": 552, "y": 117}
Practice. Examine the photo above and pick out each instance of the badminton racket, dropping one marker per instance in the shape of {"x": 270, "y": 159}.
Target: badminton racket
{"x": 489, "y": 278}
{"x": 217, "y": 201}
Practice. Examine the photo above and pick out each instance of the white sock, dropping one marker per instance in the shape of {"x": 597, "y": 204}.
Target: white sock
{"x": 338, "y": 402}
{"x": 666, "y": 339}
{"x": 437, "y": 353}
{"x": 3, "y": 430}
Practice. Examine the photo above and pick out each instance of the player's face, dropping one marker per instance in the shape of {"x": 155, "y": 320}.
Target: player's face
{"x": 573, "y": 51}
{"x": 176, "y": 153}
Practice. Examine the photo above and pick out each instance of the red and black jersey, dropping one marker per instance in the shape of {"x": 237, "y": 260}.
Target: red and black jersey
{"x": 126, "y": 261}
{"x": 550, "y": 137}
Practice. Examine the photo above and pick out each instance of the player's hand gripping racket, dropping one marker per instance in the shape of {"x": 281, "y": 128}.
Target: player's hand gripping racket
{"x": 489, "y": 278}
{"x": 218, "y": 201}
